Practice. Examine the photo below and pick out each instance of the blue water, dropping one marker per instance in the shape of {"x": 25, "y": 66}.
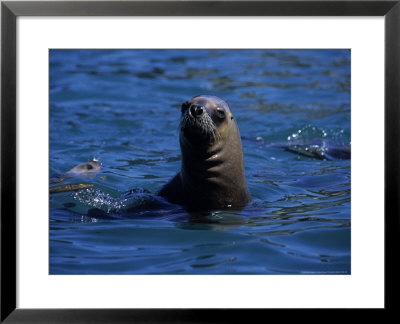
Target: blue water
{"x": 122, "y": 107}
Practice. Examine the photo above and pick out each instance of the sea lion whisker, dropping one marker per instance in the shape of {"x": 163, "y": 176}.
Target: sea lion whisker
{"x": 204, "y": 124}
{"x": 209, "y": 129}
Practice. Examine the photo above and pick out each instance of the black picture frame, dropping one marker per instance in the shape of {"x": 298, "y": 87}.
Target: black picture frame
{"x": 10, "y": 10}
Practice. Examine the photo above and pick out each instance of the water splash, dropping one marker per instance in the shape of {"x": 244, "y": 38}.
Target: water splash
{"x": 315, "y": 142}
{"x": 105, "y": 202}
{"x": 310, "y": 132}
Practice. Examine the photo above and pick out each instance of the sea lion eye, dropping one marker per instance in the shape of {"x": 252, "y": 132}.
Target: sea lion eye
{"x": 220, "y": 113}
{"x": 184, "y": 107}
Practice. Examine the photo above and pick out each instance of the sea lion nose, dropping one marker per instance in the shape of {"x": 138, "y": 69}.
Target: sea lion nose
{"x": 196, "y": 110}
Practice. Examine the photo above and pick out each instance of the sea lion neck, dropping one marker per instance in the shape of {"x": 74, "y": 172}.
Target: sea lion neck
{"x": 200, "y": 160}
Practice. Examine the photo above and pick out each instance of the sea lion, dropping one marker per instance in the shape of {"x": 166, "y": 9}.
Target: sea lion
{"x": 84, "y": 170}
{"x": 212, "y": 172}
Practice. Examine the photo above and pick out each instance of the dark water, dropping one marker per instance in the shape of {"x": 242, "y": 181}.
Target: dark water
{"x": 122, "y": 107}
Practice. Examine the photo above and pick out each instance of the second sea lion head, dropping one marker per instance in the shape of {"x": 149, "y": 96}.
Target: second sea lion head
{"x": 87, "y": 169}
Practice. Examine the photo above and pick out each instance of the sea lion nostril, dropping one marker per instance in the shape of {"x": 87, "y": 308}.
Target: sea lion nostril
{"x": 199, "y": 111}
{"x": 196, "y": 110}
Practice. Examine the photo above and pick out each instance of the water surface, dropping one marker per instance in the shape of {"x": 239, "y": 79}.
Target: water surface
{"x": 122, "y": 107}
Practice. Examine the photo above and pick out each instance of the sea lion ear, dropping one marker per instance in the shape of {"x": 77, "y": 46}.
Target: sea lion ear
{"x": 184, "y": 106}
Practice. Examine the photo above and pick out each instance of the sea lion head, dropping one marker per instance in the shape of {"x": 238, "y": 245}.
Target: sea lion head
{"x": 205, "y": 121}
{"x": 87, "y": 169}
